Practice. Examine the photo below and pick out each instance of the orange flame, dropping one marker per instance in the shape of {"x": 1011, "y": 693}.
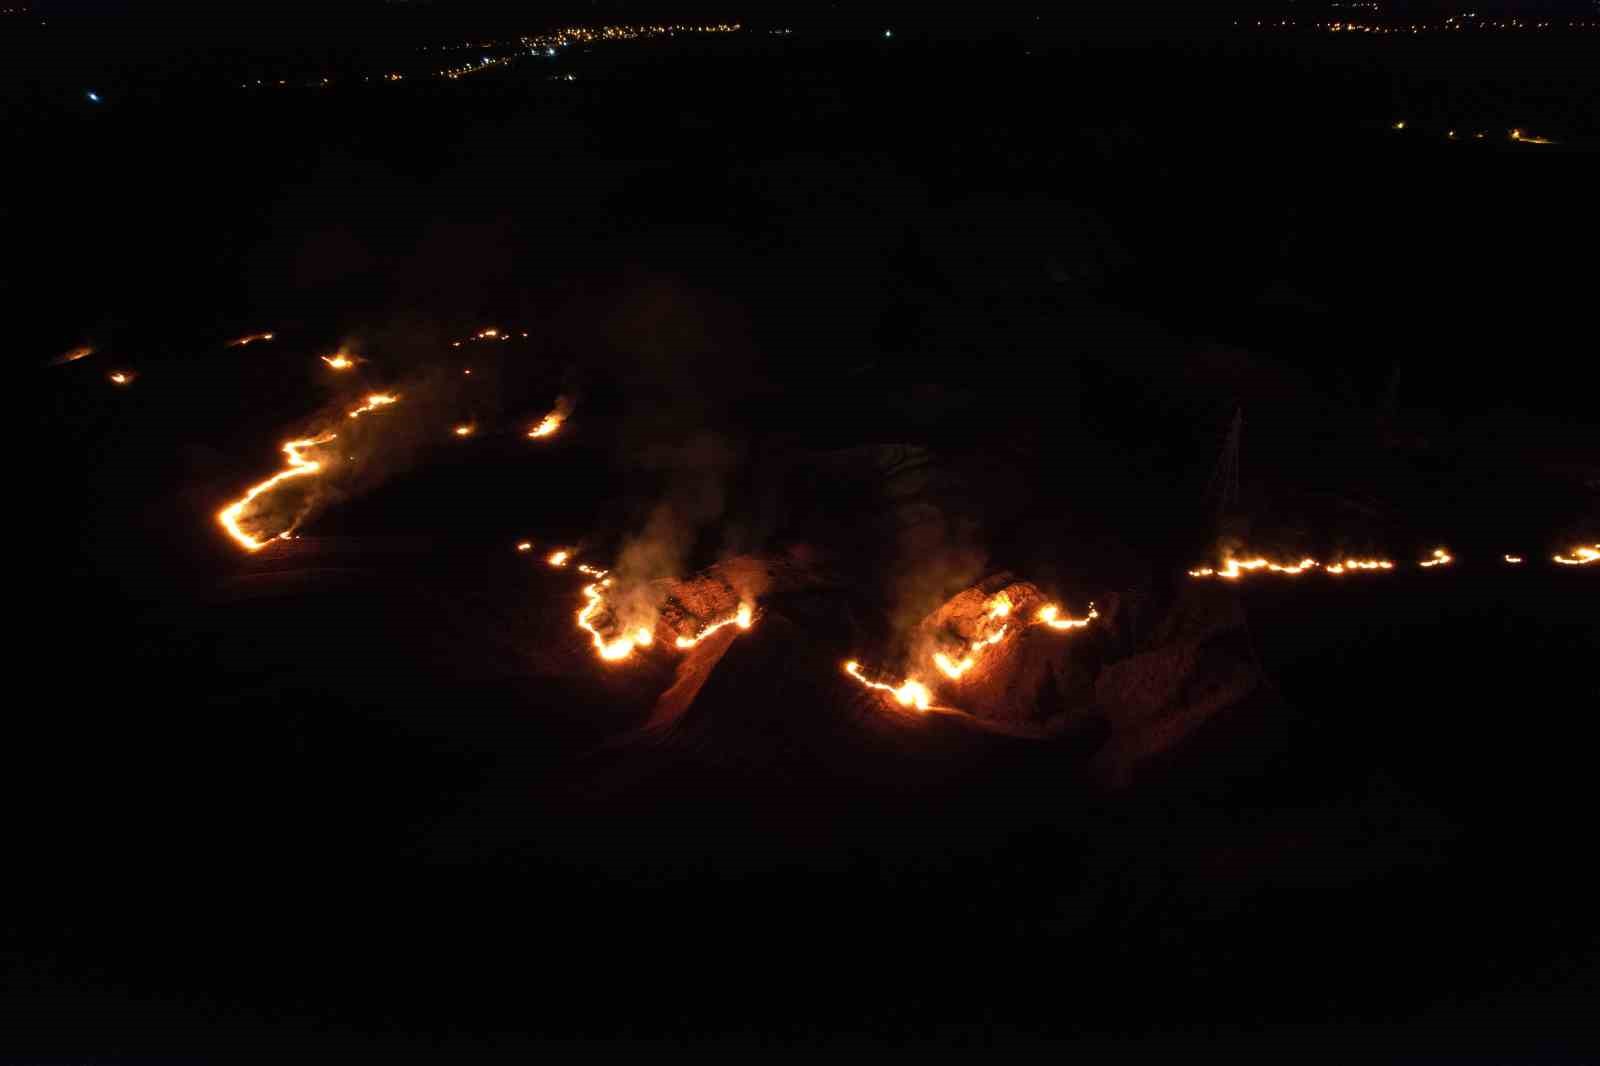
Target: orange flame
{"x": 373, "y": 402}
{"x": 74, "y": 354}
{"x": 547, "y": 425}
{"x": 558, "y": 559}
{"x": 1580, "y": 556}
{"x": 742, "y": 619}
{"x": 613, "y": 650}
{"x": 910, "y": 693}
{"x": 249, "y": 338}
{"x": 1440, "y": 558}
{"x": 299, "y": 466}
{"x": 999, "y": 607}
{"x": 1049, "y": 615}
{"x": 1514, "y": 560}
{"x": 525, "y": 546}
{"x": 339, "y": 361}
{"x": 465, "y": 430}
{"x": 593, "y": 571}
{"x": 121, "y": 377}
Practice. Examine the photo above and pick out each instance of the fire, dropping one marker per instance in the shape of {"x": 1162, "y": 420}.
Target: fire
{"x": 547, "y": 425}
{"x": 1049, "y": 615}
{"x": 1232, "y": 568}
{"x": 1440, "y": 558}
{"x": 525, "y": 546}
{"x": 465, "y": 430}
{"x": 1580, "y": 556}
{"x": 74, "y": 354}
{"x": 742, "y": 619}
{"x": 593, "y": 571}
{"x": 339, "y": 361}
{"x": 1514, "y": 560}
{"x": 558, "y": 559}
{"x": 373, "y": 402}
{"x": 999, "y": 607}
{"x": 249, "y": 338}
{"x": 486, "y": 334}
{"x": 613, "y": 650}
{"x": 298, "y": 466}
{"x": 910, "y": 693}
{"x": 121, "y": 377}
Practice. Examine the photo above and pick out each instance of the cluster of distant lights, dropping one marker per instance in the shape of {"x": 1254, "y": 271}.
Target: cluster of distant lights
{"x": 1451, "y": 24}
{"x": 549, "y": 45}
{"x": 544, "y": 46}
{"x": 1518, "y": 135}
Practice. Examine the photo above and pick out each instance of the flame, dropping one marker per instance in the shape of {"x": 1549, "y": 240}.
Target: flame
{"x": 249, "y": 338}
{"x": 299, "y": 466}
{"x": 339, "y": 361}
{"x": 614, "y": 650}
{"x": 999, "y": 607}
{"x": 547, "y": 425}
{"x": 121, "y": 377}
{"x": 1514, "y": 560}
{"x": 1049, "y": 615}
{"x": 910, "y": 693}
{"x": 373, "y": 402}
{"x": 525, "y": 546}
{"x": 1440, "y": 558}
{"x": 74, "y": 354}
{"x": 558, "y": 559}
{"x": 485, "y": 334}
{"x": 1232, "y": 568}
{"x": 465, "y": 430}
{"x": 742, "y": 619}
{"x": 1580, "y": 556}
{"x": 593, "y": 571}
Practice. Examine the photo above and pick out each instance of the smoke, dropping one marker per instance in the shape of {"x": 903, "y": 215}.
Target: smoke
{"x": 938, "y": 557}
{"x": 695, "y": 497}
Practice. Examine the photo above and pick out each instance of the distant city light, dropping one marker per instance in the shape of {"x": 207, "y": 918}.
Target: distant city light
{"x": 94, "y": 97}
{"x": 888, "y": 33}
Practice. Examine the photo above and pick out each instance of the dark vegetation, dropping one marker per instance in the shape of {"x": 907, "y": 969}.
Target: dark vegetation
{"x": 906, "y": 314}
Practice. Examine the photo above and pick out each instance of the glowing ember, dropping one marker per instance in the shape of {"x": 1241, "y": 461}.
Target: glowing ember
{"x": 486, "y": 334}
{"x": 547, "y": 425}
{"x": 525, "y": 546}
{"x": 1440, "y": 558}
{"x": 1050, "y": 615}
{"x": 1514, "y": 560}
{"x": 741, "y": 619}
{"x": 251, "y": 338}
{"x": 74, "y": 355}
{"x": 613, "y": 650}
{"x": 121, "y": 377}
{"x": 593, "y": 571}
{"x": 339, "y": 361}
{"x": 910, "y": 693}
{"x": 558, "y": 559}
{"x": 1580, "y": 556}
{"x": 373, "y": 402}
{"x": 465, "y": 430}
{"x": 299, "y": 466}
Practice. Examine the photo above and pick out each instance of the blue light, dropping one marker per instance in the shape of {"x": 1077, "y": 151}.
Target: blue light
{"x": 549, "y": 51}
{"x": 94, "y": 98}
